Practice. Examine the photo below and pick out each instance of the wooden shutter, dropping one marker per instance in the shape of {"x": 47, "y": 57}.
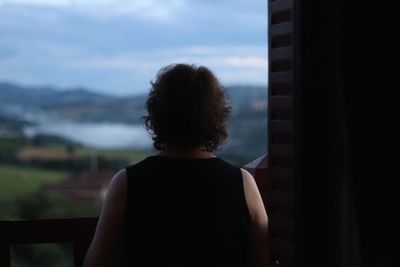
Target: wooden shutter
{"x": 280, "y": 196}
{"x": 330, "y": 81}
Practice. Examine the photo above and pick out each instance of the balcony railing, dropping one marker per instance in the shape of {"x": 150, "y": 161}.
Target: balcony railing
{"x": 76, "y": 231}
{"x": 79, "y": 231}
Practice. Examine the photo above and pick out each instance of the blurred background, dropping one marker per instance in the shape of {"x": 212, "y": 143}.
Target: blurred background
{"x": 74, "y": 76}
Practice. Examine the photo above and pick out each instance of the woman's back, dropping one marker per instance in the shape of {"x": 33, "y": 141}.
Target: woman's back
{"x": 185, "y": 212}
{"x": 183, "y": 207}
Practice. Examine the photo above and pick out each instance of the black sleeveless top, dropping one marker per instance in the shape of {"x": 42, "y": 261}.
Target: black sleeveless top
{"x": 185, "y": 212}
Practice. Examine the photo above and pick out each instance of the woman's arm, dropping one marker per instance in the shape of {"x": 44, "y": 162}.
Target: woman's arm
{"x": 258, "y": 252}
{"x": 106, "y": 248}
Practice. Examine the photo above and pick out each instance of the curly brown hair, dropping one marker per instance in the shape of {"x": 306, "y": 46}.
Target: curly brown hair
{"x": 187, "y": 107}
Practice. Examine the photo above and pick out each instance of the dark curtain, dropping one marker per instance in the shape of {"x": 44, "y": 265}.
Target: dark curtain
{"x": 346, "y": 77}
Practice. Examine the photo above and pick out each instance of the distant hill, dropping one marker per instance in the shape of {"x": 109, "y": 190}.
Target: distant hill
{"x": 77, "y": 104}
{"x": 80, "y": 104}
{"x": 242, "y": 96}
{"x": 248, "y": 124}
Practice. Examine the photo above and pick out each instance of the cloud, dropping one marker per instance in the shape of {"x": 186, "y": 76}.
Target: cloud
{"x": 253, "y": 62}
{"x": 160, "y": 9}
{"x": 67, "y": 65}
{"x": 235, "y": 64}
{"x": 121, "y": 45}
{"x": 163, "y": 10}
{"x": 36, "y": 2}
{"x": 7, "y": 51}
{"x": 230, "y": 56}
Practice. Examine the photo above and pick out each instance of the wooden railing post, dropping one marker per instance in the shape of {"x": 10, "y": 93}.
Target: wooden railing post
{"x": 79, "y": 253}
{"x": 78, "y": 231}
{"x": 5, "y": 254}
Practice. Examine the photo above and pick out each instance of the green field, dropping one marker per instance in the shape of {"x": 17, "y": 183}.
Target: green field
{"x": 16, "y": 181}
{"x": 132, "y": 156}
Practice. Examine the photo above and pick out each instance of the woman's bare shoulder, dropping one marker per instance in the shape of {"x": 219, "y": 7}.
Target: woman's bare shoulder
{"x": 116, "y": 192}
{"x": 119, "y": 179}
{"x": 253, "y": 198}
{"x": 105, "y": 247}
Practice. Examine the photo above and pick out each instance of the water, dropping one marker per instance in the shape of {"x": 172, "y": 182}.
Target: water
{"x": 96, "y": 135}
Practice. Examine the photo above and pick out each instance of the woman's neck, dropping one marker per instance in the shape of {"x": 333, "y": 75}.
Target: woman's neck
{"x": 185, "y": 153}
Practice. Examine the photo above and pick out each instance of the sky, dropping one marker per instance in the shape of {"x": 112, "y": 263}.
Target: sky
{"x": 117, "y": 46}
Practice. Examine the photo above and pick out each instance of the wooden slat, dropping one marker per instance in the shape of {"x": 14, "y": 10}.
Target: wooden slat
{"x": 280, "y": 89}
{"x": 281, "y": 41}
{"x": 281, "y": 102}
{"x": 280, "y": 53}
{"x": 279, "y": 173}
{"x": 284, "y": 162}
{"x": 280, "y": 29}
{"x": 281, "y": 150}
{"x": 282, "y": 180}
{"x": 285, "y": 77}
{"x": 281, "y": 65}
{"x": 281, "y": 126}
{"x": 281, "y": 134}
{"x": 280, "y": 5}
{"x": 281, "y": 228}
{"x": 281, "y": 16}
{"x": 282, "y": 114}
{"x": 281, "y": 204}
